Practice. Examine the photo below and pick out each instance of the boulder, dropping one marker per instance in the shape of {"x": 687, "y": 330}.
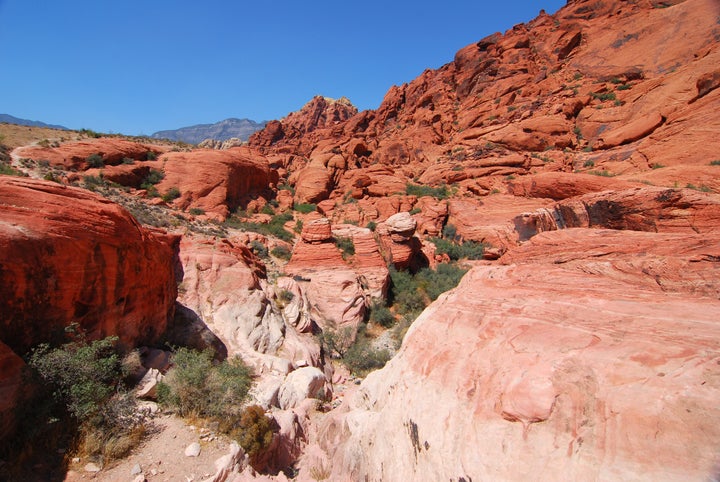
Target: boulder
{"x": 216, "y": 181}
{"x": 306, "y": 382}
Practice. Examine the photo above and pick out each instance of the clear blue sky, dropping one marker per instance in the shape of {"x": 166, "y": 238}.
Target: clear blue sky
{"x": 139, "y": 66}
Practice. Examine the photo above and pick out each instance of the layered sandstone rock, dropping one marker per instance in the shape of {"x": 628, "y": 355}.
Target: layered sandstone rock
{"x": 68, "y": 255}
{"x": 621, "y": 383}
{"x": 216, "y": 181}
{"x": 225, "y": 285}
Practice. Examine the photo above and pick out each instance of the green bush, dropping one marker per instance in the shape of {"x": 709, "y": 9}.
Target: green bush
{"x": 444, "y": 278}
{"x": 281, "y": 252}
{"x": 410, "y": 294}
{"x": 154, "y": 177}
{"x": 345, "y": 245}
{"x": 81, "y": 376}
{"x": 197, "y": 211}
{"x": 171, "y": 194}
{"x": 276, "y": 226}
{"x": 455, "y": 251}
{"x": 372, "y": 225}
{"x": 150, "y": 156}
{"x": 305, "y": 208}
{"x": 716, "y": 162}
{"x": 381, "y": 314}
{"x": 362, "y": 358}
{"x": 449, "y": 231}
{"x": 127, "y": 160}
{"x": 95, "y": 160}
{"x": 258, "y": 248}
{"x": 267, "y": 209}
{"x": 8, "y": 170}
{"x": 420, "y": 191}
{"x": 195, "y": 386}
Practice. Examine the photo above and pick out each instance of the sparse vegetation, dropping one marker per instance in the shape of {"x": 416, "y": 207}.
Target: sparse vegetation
{"x": 196, "y": 211}
{"x": 258, "y": 248}
{"x": 372, "y": 225}
{"x": 656, "y": 165}
{"x": 281, "y": 252}
{"x": 305, "y": 208}
{"x": 418, "y": 190}
{"x": 345, "y": 245}
{"x": 253, "y": 431}
{"x": 95, "y": 161}
{"x": 603, "y": 96}
{"x": 8, "y": 170}
{"x": 78, "y": 394}
{"x": 602, "y": 173}
{"x": 171, "y": 194}
{"x": 716, "y": 162}
{"x": 276, "y": 226}
{"x": 589, "y": 163}
{"x": 195, "y": 386}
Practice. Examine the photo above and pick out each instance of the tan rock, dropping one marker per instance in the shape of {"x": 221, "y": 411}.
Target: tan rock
{"x": 561, "y": 386}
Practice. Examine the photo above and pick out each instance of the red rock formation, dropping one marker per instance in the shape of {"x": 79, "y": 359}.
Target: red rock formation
{"x": 73, "y": 155}
{"x": 599, "y": 361}
{"x": 68, "y": 255}
{"x": 216, "y": 181}
{"x": 11, "y": 379}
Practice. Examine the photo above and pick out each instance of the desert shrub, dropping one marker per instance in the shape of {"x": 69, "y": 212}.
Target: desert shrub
{"x": 345, "y": 245}
{"x": 336, "y": 343}
{"x": 95, "y": 160}
{"x": 362, "y": 358}
{"x": 410, "y": 294}
{"x": 603, "y": 96}
{"x": 80, "y": 375}
{"x": 276, "y": 226}
{"x": 405, "y": 294}
{"x": 440, "y": 192}
{"x": 8, "y": 170}
{"x": 171, "y": 194}
{"x": 80, "y": 393}
{"x": 589, "y": 163}
{"x": 372, "y": 225}
{"x": 253, "y": 431}
{"x": 449, "y": 231}
{"x": 457, "y": 251}
{"x": 305, "y": 208}
{"x": 716, "y": 162}
{"x": 197, "y": 211}
{"x": 381, "y": 314}
{"x": 436, "y": 282}
{"x": 150, "y": 156}
{"x": 298, "y": 226}
{"x": 281, "y": 252}
{"x": 127, "y": 160}
{"x": 154, "y": 177}
{"x": 286, "y": 187}
{"x": 268, "y": 209}
{"x": 258, "y": 248}
{"x": 196, "y": 386}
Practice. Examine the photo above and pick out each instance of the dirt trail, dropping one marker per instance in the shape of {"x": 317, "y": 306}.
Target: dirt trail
{"x": 161, "y": 456}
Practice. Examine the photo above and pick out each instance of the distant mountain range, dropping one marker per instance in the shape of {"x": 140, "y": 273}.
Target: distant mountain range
{"x": 221, "y": 131}
{"x": 30, "y": 123}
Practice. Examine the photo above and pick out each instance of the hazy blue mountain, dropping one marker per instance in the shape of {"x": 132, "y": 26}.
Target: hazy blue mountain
{"x": 220, "y": 131}
{"x": 24, "y": 122}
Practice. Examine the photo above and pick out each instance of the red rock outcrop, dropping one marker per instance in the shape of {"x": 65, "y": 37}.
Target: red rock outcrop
{"x": 216, "y": 181}
{"x": 11, "y": 381}
{"x": 619, "y": 383}
{"x": 73, "y": 155}
{"x": 396, "y": 235}
{"x": 68, "y": 255}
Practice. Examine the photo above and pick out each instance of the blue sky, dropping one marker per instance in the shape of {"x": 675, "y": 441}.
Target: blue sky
{"x": 139, "y": 66}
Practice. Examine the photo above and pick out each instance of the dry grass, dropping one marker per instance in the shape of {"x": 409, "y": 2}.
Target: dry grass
{"x": 14, "y": 136}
